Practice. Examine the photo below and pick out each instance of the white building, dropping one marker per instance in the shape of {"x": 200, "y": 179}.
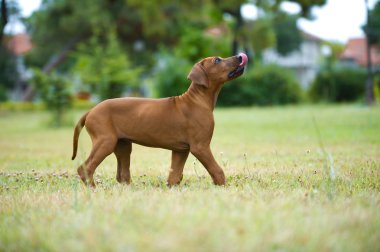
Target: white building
{"x": 305, "y": 62}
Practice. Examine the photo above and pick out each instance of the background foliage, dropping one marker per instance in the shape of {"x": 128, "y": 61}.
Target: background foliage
{"x": 266, "y": 85}
{"x": 338, "y": 85}
{"x": 169, "y": 78}
{"x": 8, "y": 73}
{"x": 373, "y": 26}
{"x": 105, "y": 67}
{"x": 131, "y": 32}
{"x": 54, "y": 91}
{"x": 123, "y": 43}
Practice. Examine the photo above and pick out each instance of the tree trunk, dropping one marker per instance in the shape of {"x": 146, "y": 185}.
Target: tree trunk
{"x": 239, "y": 23}
{"x": 4, "y": 18}
{"x": 369, "y": 83}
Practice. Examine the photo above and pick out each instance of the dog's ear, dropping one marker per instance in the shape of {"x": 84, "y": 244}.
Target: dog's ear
{"x": 198, "y": 75}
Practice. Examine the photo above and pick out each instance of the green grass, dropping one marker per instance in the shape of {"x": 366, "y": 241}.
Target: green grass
{"x": 283, "y": 192}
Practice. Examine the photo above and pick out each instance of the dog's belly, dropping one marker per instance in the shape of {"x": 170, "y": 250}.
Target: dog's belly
{"x": 154, "y": 133}
{"x": 158, "y": 139}
{"x": 176, "y": 146}
{"x": 153, "y": 123}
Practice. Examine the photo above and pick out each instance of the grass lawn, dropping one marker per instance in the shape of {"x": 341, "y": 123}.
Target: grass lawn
{"x": 289, "y": 188}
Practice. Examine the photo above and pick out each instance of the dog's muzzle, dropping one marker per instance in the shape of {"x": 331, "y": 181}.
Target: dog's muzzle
{"x": 243, "y": 59}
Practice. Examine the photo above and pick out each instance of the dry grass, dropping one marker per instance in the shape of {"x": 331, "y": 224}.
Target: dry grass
{"x": 281, "y": 193}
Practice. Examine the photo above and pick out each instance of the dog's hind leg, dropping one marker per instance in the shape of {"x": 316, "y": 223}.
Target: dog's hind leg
{"x": 100, "y": 150}
{"x": 176, "y": 170}
{"x": 122, "y": 152}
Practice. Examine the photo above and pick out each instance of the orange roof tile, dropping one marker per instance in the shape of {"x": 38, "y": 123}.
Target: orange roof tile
{"x": 19, "y": 44}
{"x": 356, "y": 50}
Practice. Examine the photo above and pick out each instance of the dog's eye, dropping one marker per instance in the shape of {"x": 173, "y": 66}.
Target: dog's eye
{"x": 217, "y": 60}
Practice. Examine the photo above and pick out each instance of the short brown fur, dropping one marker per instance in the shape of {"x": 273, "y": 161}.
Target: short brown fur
{"x": 181, "y": 124}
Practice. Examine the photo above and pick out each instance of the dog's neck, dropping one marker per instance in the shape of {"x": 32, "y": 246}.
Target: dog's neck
{"x": 206, "y": 97}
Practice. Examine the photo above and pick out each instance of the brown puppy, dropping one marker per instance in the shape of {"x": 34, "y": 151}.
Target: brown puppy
{"x": 182, "y": 124}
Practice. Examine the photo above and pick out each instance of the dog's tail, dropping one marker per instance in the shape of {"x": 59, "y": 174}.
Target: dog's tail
{"x": 77, "y": 130}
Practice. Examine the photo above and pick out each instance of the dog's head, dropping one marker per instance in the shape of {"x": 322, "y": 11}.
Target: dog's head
{"x": 216, "y": 70}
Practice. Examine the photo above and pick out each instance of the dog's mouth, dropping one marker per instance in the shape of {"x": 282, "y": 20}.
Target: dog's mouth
{"x": 243, "y": 59}
{"x": 236, "y": 73}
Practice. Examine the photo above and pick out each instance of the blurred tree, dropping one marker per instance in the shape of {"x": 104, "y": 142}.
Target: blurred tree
{"x": 195, "y": 44}
{"x": 55, "y": 28}
{"x": 8, "y": 72}
{"x": 4, "y": 17}
{"x": 372, "y": 28}
{"x": 288, "y": 36}
{"x": 140, "y": 25}
{"x": 306, "y": 6}
{"x": 55, "y": 93}
{"x": 169, "y": 76}
{"x": 8, "y": 67}
{"x": 59, "y": 26}
{"x": 278, "y": 30}
{"x": 263, "y": 29}
{"x": 102, "y": 64}
{"x": 372, "y": 31}
{"x": 232, "y": 8}
{"x": 336, "y": 49}
{"x": 9, "y": 9}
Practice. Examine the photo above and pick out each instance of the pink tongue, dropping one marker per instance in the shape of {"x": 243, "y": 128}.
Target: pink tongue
{"x": 244, "y": 59}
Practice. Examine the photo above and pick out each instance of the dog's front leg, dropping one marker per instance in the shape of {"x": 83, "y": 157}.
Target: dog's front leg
{"x": 176, "y": 170}
{"x": 204, "y": 155}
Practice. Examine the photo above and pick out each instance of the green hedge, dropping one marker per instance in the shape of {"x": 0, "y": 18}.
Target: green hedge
{"x": 39, "y": 106}
{"x": 3, "y": 93}
{"x": 338, "y": 85}
{"x": 263, "y": 85}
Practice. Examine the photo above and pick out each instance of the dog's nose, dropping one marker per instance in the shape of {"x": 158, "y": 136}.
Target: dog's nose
{"x": 240, "y": 58}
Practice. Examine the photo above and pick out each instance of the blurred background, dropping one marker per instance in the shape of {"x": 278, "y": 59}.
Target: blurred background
{"x": 60, "y": 54}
